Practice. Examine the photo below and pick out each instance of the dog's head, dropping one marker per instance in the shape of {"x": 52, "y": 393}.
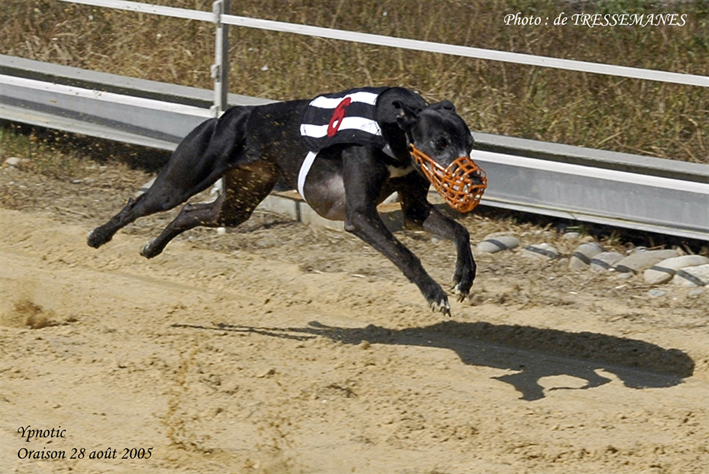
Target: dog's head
{"x": 440, "y": 144}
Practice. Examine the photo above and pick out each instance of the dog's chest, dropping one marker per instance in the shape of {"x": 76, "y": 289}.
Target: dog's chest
{"x": 399, "y": 171}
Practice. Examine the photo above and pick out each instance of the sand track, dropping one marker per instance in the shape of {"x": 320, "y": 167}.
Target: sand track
{"x": 285, "y": 349}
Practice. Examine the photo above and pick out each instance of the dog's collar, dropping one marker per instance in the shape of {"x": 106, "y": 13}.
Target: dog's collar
{"x": 461, "y": 184}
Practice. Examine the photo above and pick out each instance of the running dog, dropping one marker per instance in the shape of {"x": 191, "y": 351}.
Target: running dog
{"x": 345, "y": 153}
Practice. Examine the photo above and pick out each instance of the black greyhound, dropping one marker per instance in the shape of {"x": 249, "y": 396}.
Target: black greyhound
{"x": 369, "y": 143}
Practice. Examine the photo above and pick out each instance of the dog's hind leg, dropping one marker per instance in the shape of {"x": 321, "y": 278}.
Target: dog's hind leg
{"x": 244, "y": 188}
{"x": 133, "y": 210}
{"x": 207, "y": 152}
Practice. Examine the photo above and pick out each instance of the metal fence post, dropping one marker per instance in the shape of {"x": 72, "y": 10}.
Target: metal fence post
{"x": 220, "y": 68}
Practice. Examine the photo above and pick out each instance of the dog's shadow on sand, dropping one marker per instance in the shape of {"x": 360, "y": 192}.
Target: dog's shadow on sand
{"x": 532, "y": 352}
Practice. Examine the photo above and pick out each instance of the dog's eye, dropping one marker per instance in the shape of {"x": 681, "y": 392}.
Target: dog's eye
{"x": 441, "y": 144}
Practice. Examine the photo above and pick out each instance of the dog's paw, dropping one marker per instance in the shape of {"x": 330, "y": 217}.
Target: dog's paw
{"x": 437, "y": 298}
{"x": 147, "y": 251}
{"x": 97, "y": 238}
{"x": 441, "y": 307}
{"x": 462, "y": 283}
{"x": 460, "y": 291}
{"x": 439, "y": 302}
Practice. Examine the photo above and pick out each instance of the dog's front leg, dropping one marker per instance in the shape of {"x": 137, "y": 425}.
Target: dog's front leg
{"x": 465, "y": 267}
{"x": 363, "y": 179}
{"x": 368, "y": 226}
{"x": 420, "y": 214}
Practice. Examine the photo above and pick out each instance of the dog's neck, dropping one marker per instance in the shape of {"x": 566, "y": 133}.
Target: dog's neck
{"x": 397, "y": 143}
{"x": 387, "y": 115}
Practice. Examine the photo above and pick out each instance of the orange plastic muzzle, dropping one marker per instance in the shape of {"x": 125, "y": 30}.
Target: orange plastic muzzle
{"x": 461, "y": 184}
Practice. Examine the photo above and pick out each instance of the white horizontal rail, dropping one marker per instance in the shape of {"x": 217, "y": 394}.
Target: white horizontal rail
{"x": 417, "y": 45}
{"x": 590, "y": 172}
{"x": 148, "y": 8}
{"x": 105, "y": 96}
{"x": 465, "y": 51}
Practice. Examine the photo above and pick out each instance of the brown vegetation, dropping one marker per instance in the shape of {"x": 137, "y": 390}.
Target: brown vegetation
{"x": 657, "y": 119}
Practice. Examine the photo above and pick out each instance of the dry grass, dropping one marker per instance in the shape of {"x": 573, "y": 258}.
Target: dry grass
{"x": 663, "y": 120}
{"x": 64, "y": 156}
{"x": 40, "y": 152}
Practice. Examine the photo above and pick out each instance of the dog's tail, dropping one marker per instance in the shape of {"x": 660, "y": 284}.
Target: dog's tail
{"x": 207, "y": 152}
{"x": 228, "y": 137}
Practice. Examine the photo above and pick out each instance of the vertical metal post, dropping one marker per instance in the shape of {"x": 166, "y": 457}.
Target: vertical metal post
{"x": 220, "y": 68}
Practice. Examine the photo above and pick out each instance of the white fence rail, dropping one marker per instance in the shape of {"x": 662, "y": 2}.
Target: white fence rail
{"x": 219, "y": 17}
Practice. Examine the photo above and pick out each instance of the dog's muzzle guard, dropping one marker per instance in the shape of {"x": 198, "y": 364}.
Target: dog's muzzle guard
{"x": 461, "y": 184}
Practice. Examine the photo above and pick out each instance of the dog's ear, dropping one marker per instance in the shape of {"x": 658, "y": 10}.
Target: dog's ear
{"x": 406, "y": 115}
{"x": 444, "y": 105}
